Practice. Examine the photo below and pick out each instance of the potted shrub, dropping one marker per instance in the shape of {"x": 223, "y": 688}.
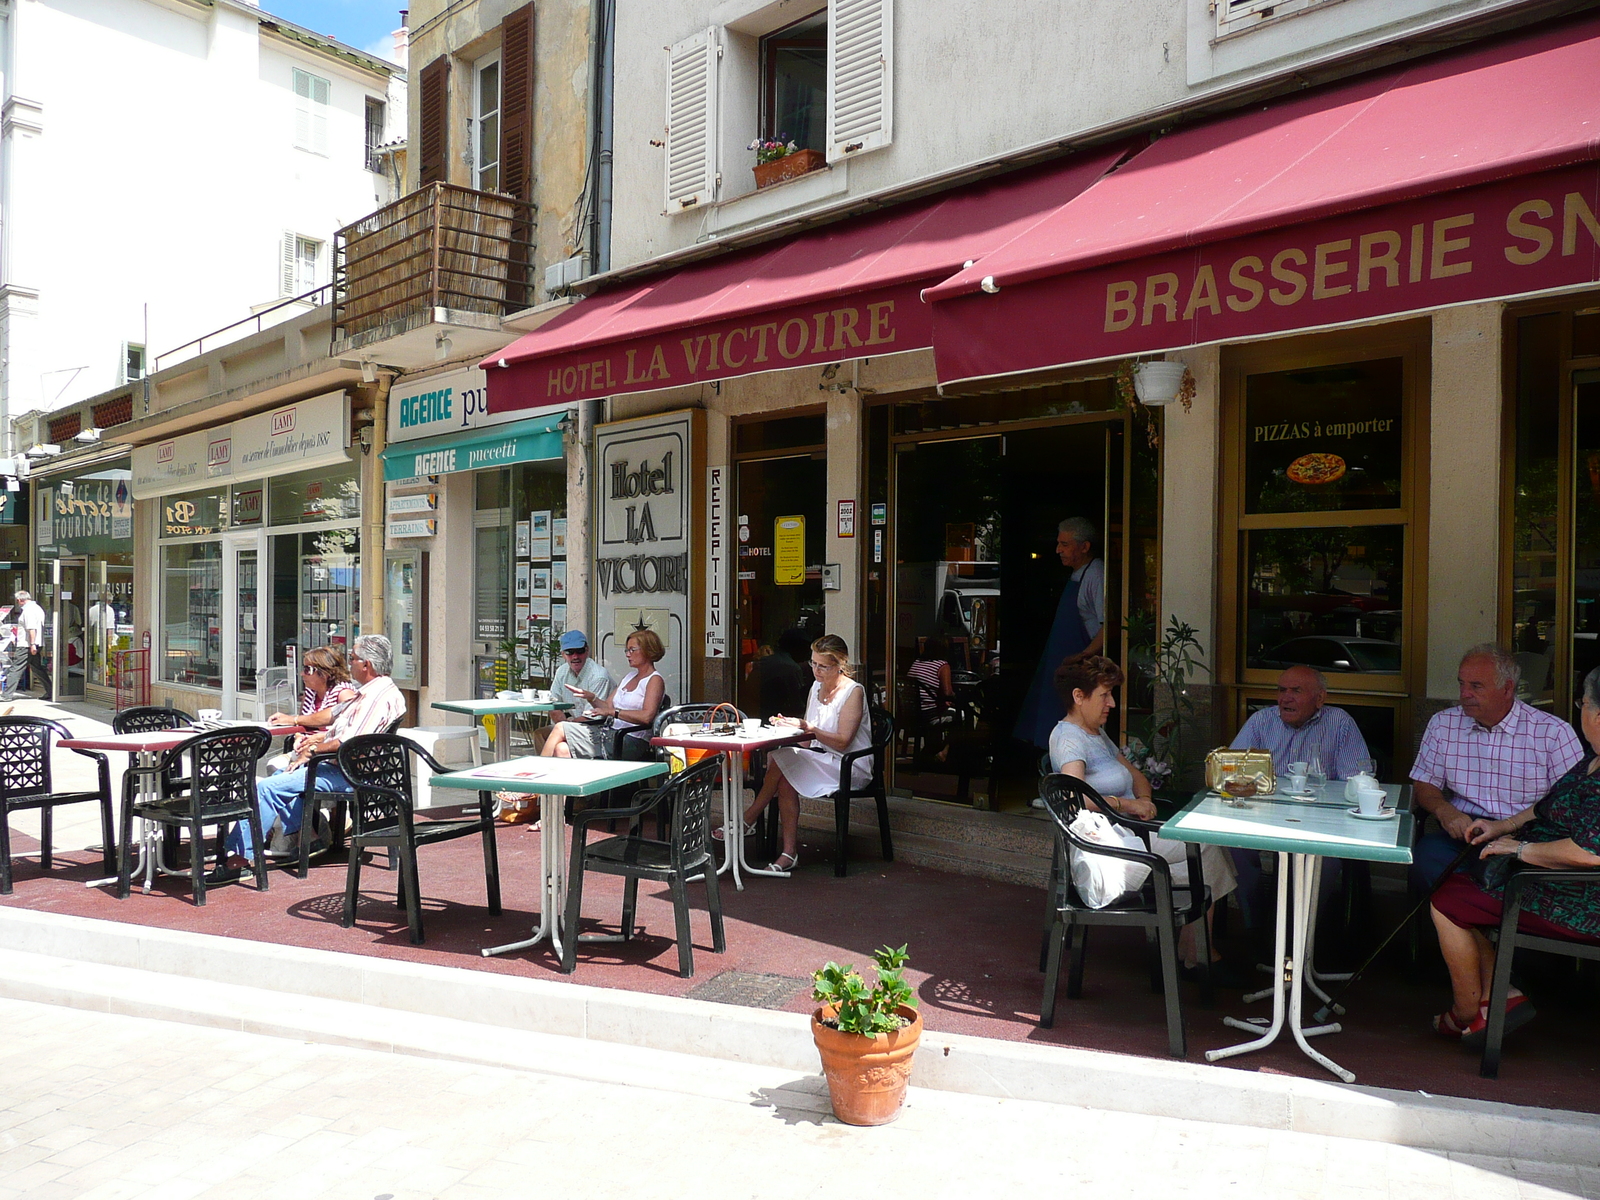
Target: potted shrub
{"x": 778, "y": 160}
{"x": 866, "y": 1037}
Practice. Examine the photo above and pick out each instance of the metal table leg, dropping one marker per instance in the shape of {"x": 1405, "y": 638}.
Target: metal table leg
{"x": 1297, "y": 872}
{"x": 733, "y": 822}
{"x": 552, "y": 877}
{"x": 144, "y": 766}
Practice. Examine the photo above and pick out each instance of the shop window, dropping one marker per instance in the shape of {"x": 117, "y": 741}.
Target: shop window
{"x": 318, "y": 495}
{"x": 1318, "y": 489}
{"x": 194, "y": 514}
{"x": 316, "y": 590}
{"x": 1554, "y": 559}
{"x": 191, "y": 614}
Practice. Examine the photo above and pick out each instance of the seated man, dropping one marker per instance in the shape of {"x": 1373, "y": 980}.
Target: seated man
{"x": 1300, "y": 725}
{"x": 378, "y": 704}
{"x": 580, "y": 671}
{"x": 1490, "y": 758}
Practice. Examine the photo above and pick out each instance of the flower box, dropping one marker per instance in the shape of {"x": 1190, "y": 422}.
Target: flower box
{"x": 791, "y": 166}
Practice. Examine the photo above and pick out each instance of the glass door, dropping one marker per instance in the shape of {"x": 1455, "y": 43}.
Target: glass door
{"x": 69, "y": 647}
{"x": 242, "y": 628}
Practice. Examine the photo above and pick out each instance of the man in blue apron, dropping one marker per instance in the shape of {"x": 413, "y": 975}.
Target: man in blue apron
{"x": 1077, "y": 633}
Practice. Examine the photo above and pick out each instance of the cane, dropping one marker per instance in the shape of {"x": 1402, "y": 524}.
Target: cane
{"x": 1325, "y": 1013}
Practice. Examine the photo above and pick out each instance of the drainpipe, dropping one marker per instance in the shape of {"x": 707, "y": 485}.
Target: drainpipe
{"x": 602, "y": 73}
{"x": 372, "y": 535}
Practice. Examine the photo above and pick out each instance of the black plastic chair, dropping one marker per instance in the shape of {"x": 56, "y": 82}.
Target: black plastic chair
{"x": 26, "y": 781}
{"x": 683, "y": 855}
{"x": 1512, "y": 939}
{"x": 882, "y": 740}
{"x": 383, "y": 816}
{"x": 152, "y": 718}
{"x": 220, "y": 789}
{"x": 1152, "y": 908}
{"x": 311, "y": 802}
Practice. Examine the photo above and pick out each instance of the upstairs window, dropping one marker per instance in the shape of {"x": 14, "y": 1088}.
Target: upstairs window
{"x": 311, "y": 99}
{"x": 300, "y": 260}
{"x": 794, "y": 83}
{"x": 486, "y": 125}
{"x": 132, "y": 362}
{"x": 1236, "y": 16}
{"x": 376, "y": 114}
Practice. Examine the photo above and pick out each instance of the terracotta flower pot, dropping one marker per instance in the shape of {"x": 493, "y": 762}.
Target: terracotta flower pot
{"x": 791, "y": 166}
{"x": 866, "y": 1075}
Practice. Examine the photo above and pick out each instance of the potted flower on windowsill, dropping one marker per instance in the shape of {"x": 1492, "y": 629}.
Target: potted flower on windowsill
{"x": 866, "y": 1037}
{"x": 778, "y": 160}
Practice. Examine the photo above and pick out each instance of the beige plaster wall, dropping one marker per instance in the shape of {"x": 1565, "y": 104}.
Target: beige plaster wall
{"x": 1191, "y": 463}
{"x": 1463, "y": 488}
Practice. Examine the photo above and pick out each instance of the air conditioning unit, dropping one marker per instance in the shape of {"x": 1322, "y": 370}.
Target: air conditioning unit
{"x": 560, "y": 276}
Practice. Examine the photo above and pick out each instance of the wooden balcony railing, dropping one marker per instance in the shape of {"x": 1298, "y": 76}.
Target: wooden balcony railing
{"x": 440, "y": 247}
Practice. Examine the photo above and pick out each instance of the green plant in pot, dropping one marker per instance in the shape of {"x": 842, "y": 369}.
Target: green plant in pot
{"x": 866, "y": 1037}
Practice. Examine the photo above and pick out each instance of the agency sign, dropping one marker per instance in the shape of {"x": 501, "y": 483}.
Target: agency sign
{"x": 297, "y": 437}
{"x": 438, "y": 404}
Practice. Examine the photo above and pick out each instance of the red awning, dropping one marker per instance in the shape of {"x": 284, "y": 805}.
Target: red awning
{"x": 1446, "y": 180}
{"x": 843, "y": 291}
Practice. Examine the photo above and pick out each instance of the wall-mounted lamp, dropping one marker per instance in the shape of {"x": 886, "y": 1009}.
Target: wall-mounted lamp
{"x": 442, "y": 345}
{"x": 42, "y": 450}
{"x": 369, "y": 372}
{"x": 364, "y": 437}
{"x": 13, "y": 484}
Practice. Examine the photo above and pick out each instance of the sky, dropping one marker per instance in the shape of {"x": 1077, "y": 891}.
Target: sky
{"x": 364, "y": 24}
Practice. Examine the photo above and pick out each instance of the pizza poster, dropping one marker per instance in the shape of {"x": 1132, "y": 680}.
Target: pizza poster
{"x": 1325, "y": 439}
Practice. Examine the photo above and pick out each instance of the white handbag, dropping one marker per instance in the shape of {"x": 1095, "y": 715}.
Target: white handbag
{"x": 1100, "y": 878}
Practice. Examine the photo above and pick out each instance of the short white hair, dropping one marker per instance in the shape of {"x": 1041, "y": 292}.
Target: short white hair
{"x": 1506, "y": 667}
{"x": 24, "y": 595}
{"x": 1080, "y": 529}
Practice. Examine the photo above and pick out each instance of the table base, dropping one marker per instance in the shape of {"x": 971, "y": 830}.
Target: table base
{"x": 1292, "y": 965}
{"x": 733, "y": 822}
{"x": 150, "y": 862}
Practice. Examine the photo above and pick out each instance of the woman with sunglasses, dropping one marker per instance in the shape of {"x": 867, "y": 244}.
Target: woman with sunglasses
{"x": 326, "y": 689}
{"x": 835, "y": 718}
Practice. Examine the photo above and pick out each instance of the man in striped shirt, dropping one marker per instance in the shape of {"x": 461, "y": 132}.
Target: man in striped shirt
{"x": 1491, "y": 757}
{"x": 378, "y": 704}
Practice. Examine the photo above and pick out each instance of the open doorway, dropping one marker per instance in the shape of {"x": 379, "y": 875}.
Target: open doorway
{"x": 977, "y": 584}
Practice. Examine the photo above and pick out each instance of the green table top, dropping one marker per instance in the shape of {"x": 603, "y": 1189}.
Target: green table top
{"x": 490, "y": 708}
{"x": 550, "y": 776}
{"x": 1324, "y": 827}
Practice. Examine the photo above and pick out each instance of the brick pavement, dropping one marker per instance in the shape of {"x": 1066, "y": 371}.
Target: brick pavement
{"x": 101, "y": 1107}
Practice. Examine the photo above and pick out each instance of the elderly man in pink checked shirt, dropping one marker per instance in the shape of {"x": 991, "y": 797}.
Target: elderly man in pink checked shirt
{"x": 1492, "y": 756}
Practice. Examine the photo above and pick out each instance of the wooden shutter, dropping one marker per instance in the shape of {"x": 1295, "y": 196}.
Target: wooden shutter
{"x": 692, "y": 121}
{"x": 516, "y": 104}
{"x": 286, "y": 262}
{"x": 860, "y": 76}
{"x": 433, "y": 148}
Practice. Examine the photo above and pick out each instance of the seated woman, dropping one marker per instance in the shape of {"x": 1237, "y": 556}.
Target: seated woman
{"x": 1561, "y": 831}
{"x": 327, "y": 689}
{"x": 1080, "y": 747}
{"x": 633, "y": 705}
{"x": 836, "y": 711}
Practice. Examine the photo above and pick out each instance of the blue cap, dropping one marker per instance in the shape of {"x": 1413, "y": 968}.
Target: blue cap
{"x": 574, "y": 639}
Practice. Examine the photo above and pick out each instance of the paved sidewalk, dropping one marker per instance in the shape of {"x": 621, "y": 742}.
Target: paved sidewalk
{"x": 101, "y": 1107}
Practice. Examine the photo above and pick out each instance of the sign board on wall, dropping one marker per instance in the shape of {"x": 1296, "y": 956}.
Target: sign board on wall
{"x": 297, "y": 437}
{"x": 643, "y": 505}
{"x": 447, "y": 403}
{"x": 716, "y": 563}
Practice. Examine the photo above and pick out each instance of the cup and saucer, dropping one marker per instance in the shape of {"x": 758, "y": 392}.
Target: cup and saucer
{"x": 1372, "y": 806}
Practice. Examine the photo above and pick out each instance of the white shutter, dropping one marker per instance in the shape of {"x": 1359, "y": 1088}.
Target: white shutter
{"x": 321, "y": 96}
{"x": 311, "y": 98}
{"x": 692, "y": 121}
{"x": 860, "y": 76}
{"x": 286, "y": 263}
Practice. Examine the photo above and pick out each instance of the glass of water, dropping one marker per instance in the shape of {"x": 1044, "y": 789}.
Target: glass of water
{"x": 1316, "y": 775}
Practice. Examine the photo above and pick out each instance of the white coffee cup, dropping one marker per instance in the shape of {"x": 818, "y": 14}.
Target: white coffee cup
{"x": 752, "y": 724}
{"x": 529, "y": 695}
{"x": 1370, "y": 801}
{"x": 1295, "y": 781}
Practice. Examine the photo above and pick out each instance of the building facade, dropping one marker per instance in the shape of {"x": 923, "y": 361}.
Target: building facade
{"x": 904, "y": 365}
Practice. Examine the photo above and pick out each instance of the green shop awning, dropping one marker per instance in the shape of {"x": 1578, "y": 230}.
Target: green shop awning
{"x": 533, "y": 440}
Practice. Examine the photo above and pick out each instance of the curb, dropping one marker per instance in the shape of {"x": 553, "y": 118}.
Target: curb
{"x": 46, "y": 947}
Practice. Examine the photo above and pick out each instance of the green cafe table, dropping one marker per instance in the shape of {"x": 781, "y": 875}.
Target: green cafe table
{"x": 1303, "y": 830}
{"x": 500, "y": 708}
{"x": 550, "y": 779}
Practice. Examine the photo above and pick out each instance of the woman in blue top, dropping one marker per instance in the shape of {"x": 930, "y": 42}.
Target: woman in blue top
{"x": 1080, "y": 747}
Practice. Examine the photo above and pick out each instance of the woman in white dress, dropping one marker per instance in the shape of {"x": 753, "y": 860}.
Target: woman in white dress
{"x": 633, "y": 705}
{"x": 1080, "y": 747}
{"x": 836, "y": 719}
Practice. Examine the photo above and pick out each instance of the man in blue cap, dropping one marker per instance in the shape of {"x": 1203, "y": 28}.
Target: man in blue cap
{"x": 579, "y": 671}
